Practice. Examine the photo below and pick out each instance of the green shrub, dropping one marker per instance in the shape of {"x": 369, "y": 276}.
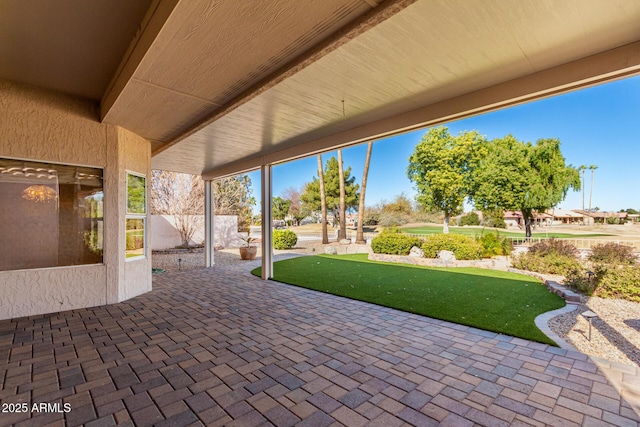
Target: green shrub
{"x": 607, "y": 281}
{"x": 464, "y": 247}
{"x": 554, "y": 247}
{"x": 494, "y": 219}
{"x": 470, "y": 219}
{"x": 394, "y": 243}
{"x": 552, "y": 263}
{"x": 613, "y": 253}
{"x": 616, "y": 221}
{"x": 580, "y": 280}
{"x": 617, "y": 281}
{"x": 284, "y": 239}
{"x": 392, "y": 230}
{"x": 493, "y": 244}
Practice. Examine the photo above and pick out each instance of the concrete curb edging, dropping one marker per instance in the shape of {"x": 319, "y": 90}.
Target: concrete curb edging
{"x": 542, "y": 322}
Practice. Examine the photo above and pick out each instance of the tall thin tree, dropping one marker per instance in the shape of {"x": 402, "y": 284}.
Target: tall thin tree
{"x": 592, "y": 168}
{"x": 581, "y": 169}
{"x": 323, "y": 202}
{"x": 342, "y": 231}
{"x": 365, "y": 173}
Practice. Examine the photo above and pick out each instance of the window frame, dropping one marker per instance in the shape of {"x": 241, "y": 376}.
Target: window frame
{"x": 62, "y": 164}
{"x": 136, "y": 216}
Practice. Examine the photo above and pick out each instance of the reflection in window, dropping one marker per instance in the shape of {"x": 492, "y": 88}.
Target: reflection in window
{"x": 135, "y": 237}
{"x": 50, "y": 215}
{"x": 136, "y": 209}
{"x": 135, "y": 194}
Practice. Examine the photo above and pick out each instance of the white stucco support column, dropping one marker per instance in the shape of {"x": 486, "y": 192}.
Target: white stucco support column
{"x": 267, "y": 229}
{"x": 209, "y": 221}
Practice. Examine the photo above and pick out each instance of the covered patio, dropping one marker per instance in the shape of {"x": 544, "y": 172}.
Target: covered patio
{"x": 220, "y": 347}
{"x": 109, "y": 90}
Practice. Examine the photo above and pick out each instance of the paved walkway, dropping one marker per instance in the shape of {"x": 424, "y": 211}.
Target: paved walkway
{"x": 219, "y": 347}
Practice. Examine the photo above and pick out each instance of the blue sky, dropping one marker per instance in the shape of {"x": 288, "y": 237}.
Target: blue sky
{"x": 596, "y": 126}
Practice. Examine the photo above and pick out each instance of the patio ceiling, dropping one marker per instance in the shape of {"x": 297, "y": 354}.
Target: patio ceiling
{"x": 222, "y": 87}
{"x": 424, "y": 55}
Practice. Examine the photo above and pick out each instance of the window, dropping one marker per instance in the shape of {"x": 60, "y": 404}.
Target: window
{"x": 51, "y": 215}
{"x": 136, "y": 215}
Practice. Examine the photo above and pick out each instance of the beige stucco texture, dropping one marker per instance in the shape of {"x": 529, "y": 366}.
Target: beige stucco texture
{"x": 42, "y": 126}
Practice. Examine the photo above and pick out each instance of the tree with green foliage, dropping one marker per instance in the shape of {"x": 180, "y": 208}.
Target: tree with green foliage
{"x": 442, "y": 166}
{"x": 280, "y": 207}
{"x": 311, "y": 195}
{"x": 524, "y": 177}
{"x": 494, "y": 219}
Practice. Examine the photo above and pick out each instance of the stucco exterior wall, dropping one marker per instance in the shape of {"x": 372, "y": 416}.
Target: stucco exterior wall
{"x": 164, "y": 234}
{"x": 137, "y": 158}
{"x": 29, "y": 292}
{"x": 45, "y": 126}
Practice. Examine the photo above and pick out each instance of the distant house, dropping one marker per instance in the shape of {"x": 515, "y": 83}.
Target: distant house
{"x": 565, "y": 217}
{"x": 601, "y": 217}
{"x": 514, "y": 219}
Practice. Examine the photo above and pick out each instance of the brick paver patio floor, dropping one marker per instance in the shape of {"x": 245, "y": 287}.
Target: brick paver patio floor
{"x": 217, "y": 347}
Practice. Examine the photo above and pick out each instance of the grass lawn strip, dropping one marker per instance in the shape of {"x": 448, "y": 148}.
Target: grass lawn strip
{"x": 428, "y": 230}
{"x": 492, "y": 300}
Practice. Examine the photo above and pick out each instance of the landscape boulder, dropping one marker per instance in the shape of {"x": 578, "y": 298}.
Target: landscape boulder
{"x": 417, "y": 252}
{"x": 446, "y": 255}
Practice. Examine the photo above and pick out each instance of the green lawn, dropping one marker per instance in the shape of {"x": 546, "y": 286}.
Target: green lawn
{"x": 487, "y": 299}
{"x": 434, "y": 229}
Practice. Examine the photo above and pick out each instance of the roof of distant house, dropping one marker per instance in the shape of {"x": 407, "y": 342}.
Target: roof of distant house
{"x": 601, "y": 214}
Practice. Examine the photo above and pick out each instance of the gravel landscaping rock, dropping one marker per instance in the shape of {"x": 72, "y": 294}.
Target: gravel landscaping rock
{"x": 615, "y": 333}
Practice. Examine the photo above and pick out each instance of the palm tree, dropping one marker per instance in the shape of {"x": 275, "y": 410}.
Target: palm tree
{"x": 342, "y": 231}
{"x": 581, "y": 170}
{"x": 365, "y": 173}
{"x": 323, "y": 202}
{"x": 592, "y": 168}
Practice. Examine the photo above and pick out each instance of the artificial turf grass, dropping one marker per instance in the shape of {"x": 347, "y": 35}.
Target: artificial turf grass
{"x": 492, "y": 300}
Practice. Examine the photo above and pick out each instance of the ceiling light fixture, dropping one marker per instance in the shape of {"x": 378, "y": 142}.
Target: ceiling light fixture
{"x": 40, "y": 194}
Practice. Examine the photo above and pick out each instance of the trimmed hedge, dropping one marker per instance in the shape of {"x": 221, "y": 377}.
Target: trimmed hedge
{"x": 464, "y": 247}
{"x": 394, "y": 243}
{"x": 284, "y": 239}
